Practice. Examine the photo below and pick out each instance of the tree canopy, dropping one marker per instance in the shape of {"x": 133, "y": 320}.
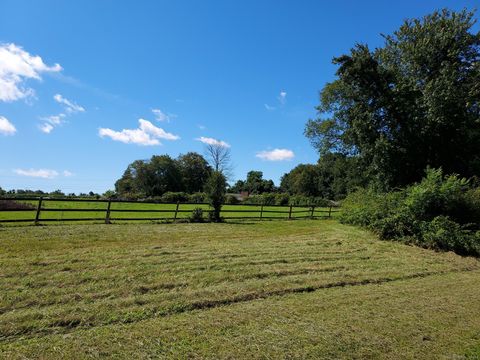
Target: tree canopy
{"x": 163, "y": 174}
{"x": 254, "y": 184}
{"x": 413, "y": 103}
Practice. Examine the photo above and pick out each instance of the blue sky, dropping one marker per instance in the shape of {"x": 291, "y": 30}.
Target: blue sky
{"x": 80, "y": 80}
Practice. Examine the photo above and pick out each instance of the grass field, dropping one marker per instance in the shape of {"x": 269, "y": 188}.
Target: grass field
{"x": 65, "y": 210}
{"x": 281, "y": 289}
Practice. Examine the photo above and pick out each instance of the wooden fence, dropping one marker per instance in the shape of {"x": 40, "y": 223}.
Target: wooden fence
{"x": 104, "y": 211}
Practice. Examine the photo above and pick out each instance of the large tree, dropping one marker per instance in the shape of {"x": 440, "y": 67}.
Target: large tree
{"x": 254, "y": 184}
{"x": 151, "y": 178}
{"x": 195, "y": 171}
{"x": 413, "y": 103}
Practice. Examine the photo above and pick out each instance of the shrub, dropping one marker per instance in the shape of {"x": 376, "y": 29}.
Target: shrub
{"x": 269, "y": 198}
{"x": 215, "y": 188}
{"x": 231, "y": 199}
{"x": 174, "y": 197}
{"x": 444, "y": 234}
{"x": 440, "y": 212}
{"x": 197, "y": 198}
{"x": 254, "y": 200}
{"x": 282, "y": 199}
{"x": 197, "y": 216}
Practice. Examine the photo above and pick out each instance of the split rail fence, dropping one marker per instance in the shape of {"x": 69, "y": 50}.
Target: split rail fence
{"x": 39, "y": 210}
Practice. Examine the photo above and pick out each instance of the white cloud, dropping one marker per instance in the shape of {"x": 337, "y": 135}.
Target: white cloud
{"x": 212, "y": 141}
{"x": 282, "y": 97}
{"x": 146, "y": 134}
{"x": 70, "y": 106}
{"x": 161, "y": 116}
{"x": 67, "y": 173}
{"x": 54, "y": 119}
{"x": 201, "y": 127}
{"x": 40, "y": 173}
{"x": 276, "y": 155}
{"x": 6, "y": 127}
{"x": 269, "y": 108}
{"x": 46, "y": 128}
{"x": 50, "y": 122}
{"x": 17, "y": 65}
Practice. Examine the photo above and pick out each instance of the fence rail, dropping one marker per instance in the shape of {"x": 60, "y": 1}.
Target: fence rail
{"x": 104, "y": 210}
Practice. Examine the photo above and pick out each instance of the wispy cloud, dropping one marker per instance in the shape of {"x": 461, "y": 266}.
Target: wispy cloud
{"x": 17, "y": 65}
{"x": 212, "y": 141}
{"x": 54, "y": 119}
{"x": 269, "y": 108}
{"x": 6, "y": 127}
{"x": 276, "y": 155}
{"x": 50, "y": 122}
{"x": 70, "y": 106}
{"x": 161, "y": 116}
{"x": 42, "y": 173}
{"x": 282, "y": 97}
{"x": 201, "y": 127}
{"x": 46, "y": 128}
{"x": 146, "y": 134}
{"x": 38, "y": 173}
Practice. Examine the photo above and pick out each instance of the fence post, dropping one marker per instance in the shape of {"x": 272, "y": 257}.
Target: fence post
{"x": 39, "y": 207}
{"x": 330, "y": 211}
{"x": 261, "y": 212}
{"x": 176, "y": 211}
{"x": 313, "y": 209}
{"x": 290, "y": 213}
{"x": 107, "y": 214}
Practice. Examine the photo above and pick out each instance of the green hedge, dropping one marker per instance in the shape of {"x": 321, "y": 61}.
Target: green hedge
{"x": 440, "y": 212}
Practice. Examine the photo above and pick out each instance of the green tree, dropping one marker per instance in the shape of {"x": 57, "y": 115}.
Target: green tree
{"x": 161, "y": 174}
{"x": 194, "y": 170}
{"x": 215, "y": 189}
{"x": 302, "y": 180}
{"x": 151, "y": 178}
{"x": 413, "y": 103}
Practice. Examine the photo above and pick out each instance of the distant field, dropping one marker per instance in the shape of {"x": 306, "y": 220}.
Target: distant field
{"x": 166, "y": 211}
{"x": 256, "y": 290}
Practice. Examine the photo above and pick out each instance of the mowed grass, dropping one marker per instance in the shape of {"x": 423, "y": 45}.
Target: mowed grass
{"x": 120, "y": 211}
{"x": 280, "y": 289}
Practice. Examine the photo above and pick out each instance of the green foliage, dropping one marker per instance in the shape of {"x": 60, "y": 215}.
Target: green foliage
{"x": 163, "y": 174}
{"x": 407, "y": 105}
{"x": 333, "y": 177}
{"x": 197, "y": 216}
{"x": 109, "y": 194}
{"x": 254, "y": 184}
{"x": 197, "y": 198}
{"x": 194, "y": 170}
{"x": 174, "y": 197}
{"x": 215, "y": 189}
{"x": 282, "y": 199}
{"x": 435, "y": 213}
{"x": 231, "y": 200}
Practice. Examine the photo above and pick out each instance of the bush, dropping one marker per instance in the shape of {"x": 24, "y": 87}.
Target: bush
{"x": 197, "y": 216}
{"x": 440, "y": 212}
{"x": 174, "y": 197}
{"x": 282, "y": 199}
{"x": 254, "y": 200}
{"x": 216, "y": 188}
{"x": 269, "y": 198}
{"x": 197, "y": 198}
{"x": 231, "y": 200}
